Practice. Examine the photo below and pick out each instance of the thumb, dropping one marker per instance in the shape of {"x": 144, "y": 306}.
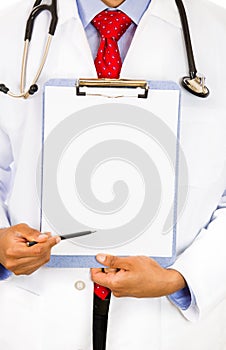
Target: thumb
{"x": 112, "y": 261}
{"x": 53, "y": 240}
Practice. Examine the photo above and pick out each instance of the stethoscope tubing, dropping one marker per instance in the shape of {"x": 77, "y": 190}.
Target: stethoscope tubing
{"x": 187, "y": 39}
{"x": 37, "y": 9}
{"x": 192, "y": 83}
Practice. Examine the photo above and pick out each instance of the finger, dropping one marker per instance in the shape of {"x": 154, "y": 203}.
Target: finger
{"x": 42, "y": 247}
{"x": 27, "y": 233}
{"x": 21, "y": 250}
{"x": 96, "y": 270}
{"x": 101, "y": 278}
{"x": 104, "y": 270}
{"x": 114, "y": 262}
{"x": 52, "y": 241}
{"x": 110, "y": 270}
{"x": 29, "y": 265}
{"x": 36, "y": 256}
{"x": 23, "y": 264}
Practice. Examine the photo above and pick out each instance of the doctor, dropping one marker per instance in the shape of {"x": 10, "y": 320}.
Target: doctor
{"x": 52, "y": 308}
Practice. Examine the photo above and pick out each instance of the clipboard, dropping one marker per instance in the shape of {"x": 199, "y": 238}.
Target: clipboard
{"x": 110, "y": 162}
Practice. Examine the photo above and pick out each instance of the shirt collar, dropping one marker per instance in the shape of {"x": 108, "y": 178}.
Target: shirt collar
{"x": 164, "y": 9}
{"x": 89, "y": 8}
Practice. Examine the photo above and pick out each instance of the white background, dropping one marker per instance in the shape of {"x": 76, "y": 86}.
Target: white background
{"x": 219, "y": 2}
{"x": 5, "y": 3}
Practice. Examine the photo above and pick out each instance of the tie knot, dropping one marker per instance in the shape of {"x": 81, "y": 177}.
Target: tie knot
{"x": 111, "y": 24}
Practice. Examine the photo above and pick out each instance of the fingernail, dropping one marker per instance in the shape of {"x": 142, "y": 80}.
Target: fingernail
{"x": 42, "y": 235}
{"x": 58, "y": 240}
{"x": 101, "y": 258}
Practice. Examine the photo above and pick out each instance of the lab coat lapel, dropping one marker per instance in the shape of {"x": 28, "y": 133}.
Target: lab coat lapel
{"x": 152, "y": 43}
{"x": 76, "y": 51}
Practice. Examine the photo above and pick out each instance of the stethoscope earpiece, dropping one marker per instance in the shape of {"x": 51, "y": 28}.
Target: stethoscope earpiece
{"x": 196, "y": 86}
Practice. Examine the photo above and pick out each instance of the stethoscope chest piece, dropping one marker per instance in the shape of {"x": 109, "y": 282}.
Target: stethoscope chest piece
{"x": 196, "y": 86}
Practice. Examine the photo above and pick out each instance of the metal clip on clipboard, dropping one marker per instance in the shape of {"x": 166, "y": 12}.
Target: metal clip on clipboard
{"x": 110, "y": 88}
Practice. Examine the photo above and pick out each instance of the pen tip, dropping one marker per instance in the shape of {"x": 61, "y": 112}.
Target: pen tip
{"x": 93, "y": 231}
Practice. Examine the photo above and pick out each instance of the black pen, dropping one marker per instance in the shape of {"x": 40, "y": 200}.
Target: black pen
{"x": 68, "y": 236}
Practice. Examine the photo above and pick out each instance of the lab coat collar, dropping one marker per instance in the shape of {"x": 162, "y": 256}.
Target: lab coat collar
{"x": 67, "y": 10}
{"x": 166, "y": 10}
{"x": 163, "y": 9}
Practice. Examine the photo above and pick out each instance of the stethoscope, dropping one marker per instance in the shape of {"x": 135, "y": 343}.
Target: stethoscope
{"x": 193, "y": 83}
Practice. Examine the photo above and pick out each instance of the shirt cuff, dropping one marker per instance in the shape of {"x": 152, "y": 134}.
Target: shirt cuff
{"x": 4, "y": 273}
{"x": 182, "y": 298}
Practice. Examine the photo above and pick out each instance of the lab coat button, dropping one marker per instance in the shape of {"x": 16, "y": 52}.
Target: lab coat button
{"x": 80, "y": 285}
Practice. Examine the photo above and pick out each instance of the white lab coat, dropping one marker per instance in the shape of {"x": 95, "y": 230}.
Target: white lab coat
{"x": 45, "y": 310}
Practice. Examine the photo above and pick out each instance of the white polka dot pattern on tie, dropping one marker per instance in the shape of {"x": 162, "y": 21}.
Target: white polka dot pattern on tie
{"x": 111, "y": 25}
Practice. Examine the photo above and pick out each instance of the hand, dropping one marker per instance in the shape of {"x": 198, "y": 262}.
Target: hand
{"x": 16, "y": 256}
{"x": 137, "y": 276}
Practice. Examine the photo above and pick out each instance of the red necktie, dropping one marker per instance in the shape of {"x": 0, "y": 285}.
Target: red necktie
{"x": 111, "y": 25}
